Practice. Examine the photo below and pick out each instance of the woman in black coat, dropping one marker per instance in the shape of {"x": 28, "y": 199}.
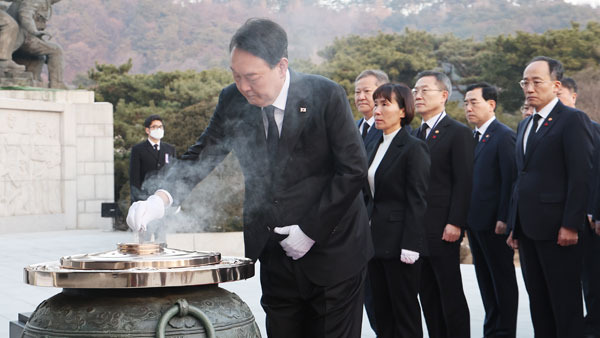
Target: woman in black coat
{"x": 395, "y": 197}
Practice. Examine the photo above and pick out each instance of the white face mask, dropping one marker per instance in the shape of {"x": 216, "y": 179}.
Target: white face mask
{"x": 157, "y": 133}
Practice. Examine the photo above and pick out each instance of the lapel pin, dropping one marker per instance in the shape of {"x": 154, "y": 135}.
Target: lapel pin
{"x": 434, "y": 136}
{"x": 437, "y": 131}
{"x": 546, "y": 124}
{"x": 549, "y": 119}
{"x": 483, "y": 140}
{"x": 487, "y": 135}
{"x": 303, "y": 109}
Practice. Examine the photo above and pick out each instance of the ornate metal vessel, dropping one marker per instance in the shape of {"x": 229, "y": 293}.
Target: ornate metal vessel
{"x": 141, "y": 290}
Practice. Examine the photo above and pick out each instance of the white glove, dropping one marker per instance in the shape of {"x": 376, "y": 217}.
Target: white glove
{"x": 297, "y": 244}
{"x": 143, "y": 212}
{"x": 408, "y": 257}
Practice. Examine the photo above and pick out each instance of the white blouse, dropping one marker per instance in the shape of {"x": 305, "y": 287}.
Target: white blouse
{"x": 381, "y": 150}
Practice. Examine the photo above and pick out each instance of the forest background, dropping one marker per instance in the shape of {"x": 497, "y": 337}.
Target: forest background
{"x": 170, "y": 58}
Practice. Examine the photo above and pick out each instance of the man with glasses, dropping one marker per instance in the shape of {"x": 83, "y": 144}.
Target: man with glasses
{"x": 148, "y": 157}
{"x": 451, "y": 148}
{"x": 548, "y": 207}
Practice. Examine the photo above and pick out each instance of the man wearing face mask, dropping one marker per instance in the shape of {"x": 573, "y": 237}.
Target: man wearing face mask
{"x": 148, "y": 157}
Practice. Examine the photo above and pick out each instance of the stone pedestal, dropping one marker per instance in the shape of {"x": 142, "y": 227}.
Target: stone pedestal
{"x": 9, "y": 77}
{"x": 56, "y": 160}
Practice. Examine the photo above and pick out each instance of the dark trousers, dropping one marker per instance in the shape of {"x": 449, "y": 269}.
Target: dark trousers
{"x": 495, "y": 270}
{"x": 395, "y": 286}
{"x": 296, "y": 307}
{"x": 369, "y": 307}
{"x": 442, "y": 297}
{"x": 590, "y": 281}
{"x": 552, "y": 275}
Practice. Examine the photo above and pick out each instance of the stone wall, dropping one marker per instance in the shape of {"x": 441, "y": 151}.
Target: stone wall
{"x": 56, "y": 160}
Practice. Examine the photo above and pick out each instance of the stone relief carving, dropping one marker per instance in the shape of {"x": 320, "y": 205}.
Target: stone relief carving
{"x": 30, "y": 163}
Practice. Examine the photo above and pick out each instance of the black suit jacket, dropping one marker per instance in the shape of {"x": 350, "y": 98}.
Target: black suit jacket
{"x": 594, "y": 204}
{"x": 145, "y": 161}
{"x": 493, "y": 174}
{"x": 315, "y": 182}
{"x": 372, "y": 138}
{"x": 398, "y": 207}
{"x": 451, "y": 150}
{"x": 551, "y": 188}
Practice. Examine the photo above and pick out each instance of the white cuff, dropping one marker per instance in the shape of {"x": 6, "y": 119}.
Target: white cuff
{"x": 168, "y": 196}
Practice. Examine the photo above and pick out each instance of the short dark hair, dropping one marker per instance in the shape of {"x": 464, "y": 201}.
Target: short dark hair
{"x": 262, "y": 38}
{"x": 488, "y": 92}
{"x": 555, "y": 66}
{"x": 379, "y": 75}
{"x": 569, "y": 83}
{"x": 151, "y": 118}
{"x": 442, "y": 79}
{"x": 403, "y": 96}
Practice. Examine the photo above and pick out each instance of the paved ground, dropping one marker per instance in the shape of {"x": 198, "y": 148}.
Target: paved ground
{"x": 21, "y": 249}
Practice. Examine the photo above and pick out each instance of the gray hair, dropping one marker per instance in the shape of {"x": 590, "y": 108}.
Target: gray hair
{"x": 442, "y": 79}
{"x": 379, "y": 75}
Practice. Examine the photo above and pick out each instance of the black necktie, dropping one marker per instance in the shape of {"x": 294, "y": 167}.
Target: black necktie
{"x": 156, "y": 147}
{"x": 272, "y": 132}
{"x": 423, "y": 131}
{"x": 476, "y": 135}
{"x": 533, "y": 130}
{"x": 365, "y": 130}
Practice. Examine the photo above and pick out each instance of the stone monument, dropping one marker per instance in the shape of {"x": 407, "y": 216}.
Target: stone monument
{"x": 56, "y": 160}
{"x": 25, "y": 45}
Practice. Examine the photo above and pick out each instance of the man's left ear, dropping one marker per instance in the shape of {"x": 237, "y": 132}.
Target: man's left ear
{"x": 283, "y": 65}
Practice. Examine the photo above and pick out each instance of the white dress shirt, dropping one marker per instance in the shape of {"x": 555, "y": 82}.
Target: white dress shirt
{"x": 433, "y": 121}
{"x": 279, "y": 105}
{"x": 484, "y": 127}
{"x": 381, "y": 150}
{"x": 153, "y": 143}
{"x": 544, "y": 112}
{"x": 370, "y": 121}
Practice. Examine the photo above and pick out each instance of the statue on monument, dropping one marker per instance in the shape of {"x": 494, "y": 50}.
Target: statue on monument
{"x": 27, "y": 41}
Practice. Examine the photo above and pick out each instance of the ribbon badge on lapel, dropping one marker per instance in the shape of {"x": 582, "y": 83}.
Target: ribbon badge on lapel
{"x": 303, "y": 109}
{"x": 435, "y": 136}
{"x": 549, "y": 120}
{"x": 486, "y": 137}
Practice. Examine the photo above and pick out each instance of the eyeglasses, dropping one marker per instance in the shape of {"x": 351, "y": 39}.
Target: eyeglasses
{"x": 156, "y": 127}
{"x": 424, "y": 91}
{"x": 536, "y": 83}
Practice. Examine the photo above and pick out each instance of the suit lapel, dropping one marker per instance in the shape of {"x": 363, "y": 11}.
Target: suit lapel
{"x": 437, "y": 132}
{"x": 150, "y": 149}
{"x": 390, "y": 156}
{"x": 296, "y": 113}
{"x": 485, "y": 139}
{"x": 547, "y": 124}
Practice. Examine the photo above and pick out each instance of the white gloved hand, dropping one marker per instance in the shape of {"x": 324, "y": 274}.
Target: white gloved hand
{"x": 143, "y": 212}
{"x": 408, "y": 256}
{"x": 297, "y": 244}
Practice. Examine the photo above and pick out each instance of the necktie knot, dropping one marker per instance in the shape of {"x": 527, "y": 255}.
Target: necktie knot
{"x": 476, "y": 135}
{"x": 365, "y": 129}
{"x": 156, "y": 147}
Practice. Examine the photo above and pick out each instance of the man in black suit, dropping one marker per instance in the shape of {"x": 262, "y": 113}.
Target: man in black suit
{"x": 451, "y": 148}
{"x": 549, "y": 200}
{"x": 590, "y": 274}
{"x": 148, "y": 157}
{"x": 364, "y": 86}
{"x": 304, "y": 165}
{"x": 493, "y": 175}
